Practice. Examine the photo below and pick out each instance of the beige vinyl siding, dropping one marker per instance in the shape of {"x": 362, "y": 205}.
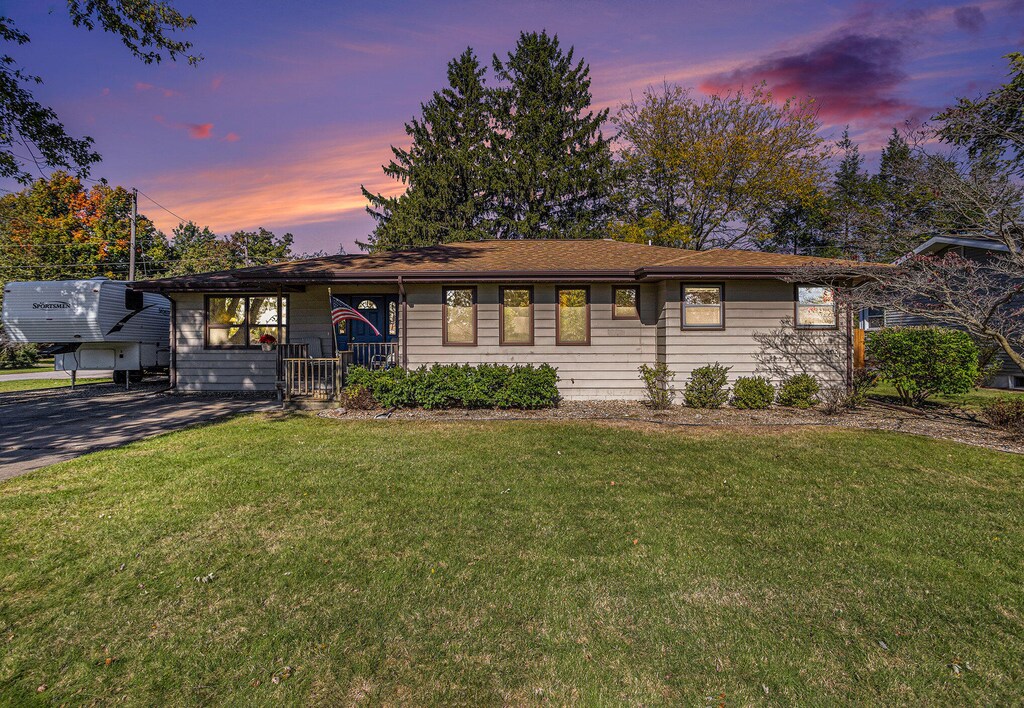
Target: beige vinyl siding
{"x": 200, "y": 369}
{"x": 758, "y": 339}
{"x": 605, "y": 369}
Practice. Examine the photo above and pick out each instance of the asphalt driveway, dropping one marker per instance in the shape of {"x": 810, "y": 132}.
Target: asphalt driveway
{"x": 40, "y": 428}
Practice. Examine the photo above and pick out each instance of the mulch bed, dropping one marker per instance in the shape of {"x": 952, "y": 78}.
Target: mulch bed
{"x": 956, "y": 425}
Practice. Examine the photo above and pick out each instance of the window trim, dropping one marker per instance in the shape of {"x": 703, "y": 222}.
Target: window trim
{"x": 796, "y": 309}
{"x": 558, "y": 315}
{"x": 444, "y": 316}
{"x": 721, "y": 305}
{"x": 615, "y": 291}
{"x": 501, "y": 316}
{"x": 281, "y": 299}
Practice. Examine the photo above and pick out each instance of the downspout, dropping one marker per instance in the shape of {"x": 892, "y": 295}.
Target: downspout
{"x": 174, "y": 345}
{"x": 404, "y": 334}
{"x": 849, "y": 346}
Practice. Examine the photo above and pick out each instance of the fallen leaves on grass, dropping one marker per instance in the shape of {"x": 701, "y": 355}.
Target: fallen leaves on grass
{"x": 283, "y": 675}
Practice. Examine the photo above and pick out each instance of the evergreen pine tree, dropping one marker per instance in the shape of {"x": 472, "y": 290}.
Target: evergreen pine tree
{"x": 447, "y": 169}
{"x": 555, "y": 165}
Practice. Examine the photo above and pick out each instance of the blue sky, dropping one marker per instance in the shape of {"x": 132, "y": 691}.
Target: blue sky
{"x": 295, "y": 105}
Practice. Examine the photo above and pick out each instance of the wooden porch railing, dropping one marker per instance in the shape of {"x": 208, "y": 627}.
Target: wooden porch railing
{"x": 316, "y": 379}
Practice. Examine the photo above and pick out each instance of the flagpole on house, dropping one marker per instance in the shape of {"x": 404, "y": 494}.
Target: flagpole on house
{"x": 334, "y": 328}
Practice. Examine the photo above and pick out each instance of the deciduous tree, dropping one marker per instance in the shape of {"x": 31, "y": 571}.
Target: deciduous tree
{"x": 720, "y": 166}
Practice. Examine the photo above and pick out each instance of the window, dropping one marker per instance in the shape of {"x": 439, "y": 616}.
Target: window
{"x": 626, "y": 305}
{"x": 872, "y": 318}
{"x": 133, "y": 300}
{"x": 572, "y": 318}
{"x": 392, "y": 318}
{"x": 240, "y": 320}
{"x": 459, "y": 318}
{"x": 815, "y": 307}
{"x": 516, "y": 316}
{"x": 367, "y": 305}
{"x": 703, "y": 307}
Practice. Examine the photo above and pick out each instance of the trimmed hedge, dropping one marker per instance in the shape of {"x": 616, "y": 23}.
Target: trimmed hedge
{"x": 753, "y": 393}
{"x": 460, "y": 386}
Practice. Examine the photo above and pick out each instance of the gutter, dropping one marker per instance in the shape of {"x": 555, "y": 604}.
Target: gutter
{"x": 651, "y": 273}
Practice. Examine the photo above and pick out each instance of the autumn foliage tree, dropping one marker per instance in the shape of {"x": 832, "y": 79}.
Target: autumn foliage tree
{"x": 710, "y": 172}
{"x": 58, "y": 228}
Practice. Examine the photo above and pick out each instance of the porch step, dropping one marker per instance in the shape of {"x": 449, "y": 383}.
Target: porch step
{"x": 308, "y": 404}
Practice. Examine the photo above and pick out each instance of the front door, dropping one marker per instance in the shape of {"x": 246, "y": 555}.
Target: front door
{"x": 367, "y": 347}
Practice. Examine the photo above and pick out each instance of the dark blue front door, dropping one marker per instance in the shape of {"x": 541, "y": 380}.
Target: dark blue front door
{"x": 359, "y": 338}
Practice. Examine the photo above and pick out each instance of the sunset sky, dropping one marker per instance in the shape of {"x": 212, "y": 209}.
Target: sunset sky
{"x": 295, "y": 104}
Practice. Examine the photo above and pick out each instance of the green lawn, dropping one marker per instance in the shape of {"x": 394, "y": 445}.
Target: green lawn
{"x": 489, "y": 563}
{"x": 34, "y": 384}
{"x": 970, "y": 401}
{"x": 41, "y": 365}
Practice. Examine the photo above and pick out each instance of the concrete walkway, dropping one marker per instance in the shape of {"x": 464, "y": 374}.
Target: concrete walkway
{"x": 82, "y": 374}
{"x": 45, "y": 427}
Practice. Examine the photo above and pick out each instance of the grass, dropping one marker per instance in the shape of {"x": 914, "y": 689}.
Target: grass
{"x": 487, "y": 563}
{"x": 970, "y": 401}
{"x": 38, "y": 384}
{"x": 41, "y": 365}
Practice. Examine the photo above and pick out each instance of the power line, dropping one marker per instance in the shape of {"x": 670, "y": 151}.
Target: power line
{"x": 179, "y": 218}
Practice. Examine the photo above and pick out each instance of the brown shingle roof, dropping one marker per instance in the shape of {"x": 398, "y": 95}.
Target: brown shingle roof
{"x": 498, "y": 259}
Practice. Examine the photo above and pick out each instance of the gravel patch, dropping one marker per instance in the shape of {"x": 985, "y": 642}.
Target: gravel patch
{"x": 955, "y": 425}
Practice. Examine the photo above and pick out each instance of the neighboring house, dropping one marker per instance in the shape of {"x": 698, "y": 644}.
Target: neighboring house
{"x": 1008, "y": 375}
{"x": 595, "y": 309}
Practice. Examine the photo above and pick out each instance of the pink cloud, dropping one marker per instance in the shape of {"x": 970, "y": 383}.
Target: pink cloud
{"x": 196, "y": 131}
{"x": 199, "y": 131}
{"x": 216, "y": 82}
{"x": 231, "y": 138}
{"x": 851, "y": 76}
{"x": 166, "y": 92}
{"x": 105, "y": 91}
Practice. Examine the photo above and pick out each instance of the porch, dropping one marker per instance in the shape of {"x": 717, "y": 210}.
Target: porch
{"x": 307, "y": 381}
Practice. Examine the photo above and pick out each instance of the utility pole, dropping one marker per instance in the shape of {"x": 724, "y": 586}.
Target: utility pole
{"x": 131, "y": 254}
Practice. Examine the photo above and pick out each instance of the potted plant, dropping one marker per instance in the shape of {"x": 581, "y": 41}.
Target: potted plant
{"x": 267, "y": 341}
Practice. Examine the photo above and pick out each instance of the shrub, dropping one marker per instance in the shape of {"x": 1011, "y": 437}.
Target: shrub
{"x": 863, "y": 381}
{"x": 1005, "y": 413}
{"x": 799, "y": 391}
{"x": 706, "y": 387}
{"x": 391, "y": 388}
{"x": 921, "y": 361}
{"x": 451, "y": 385}
{"x": 18, "y": 356}
{"x": 358, "y": 398}
{"x": 529, "y": 387}
{"x": 753, "y": 392}
{"x": 658, "y": 391}
{"x": 835, "y": 399}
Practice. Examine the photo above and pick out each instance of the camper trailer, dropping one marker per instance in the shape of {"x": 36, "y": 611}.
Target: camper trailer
{"x": 96, "y": 324}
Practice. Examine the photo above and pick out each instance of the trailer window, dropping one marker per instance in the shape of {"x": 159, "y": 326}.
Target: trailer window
{"x": 240, "y": 320}
{"x": 133, "y": 300}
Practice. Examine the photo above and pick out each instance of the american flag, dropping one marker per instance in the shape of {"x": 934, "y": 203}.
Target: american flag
{"x": 341, "y": 311}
